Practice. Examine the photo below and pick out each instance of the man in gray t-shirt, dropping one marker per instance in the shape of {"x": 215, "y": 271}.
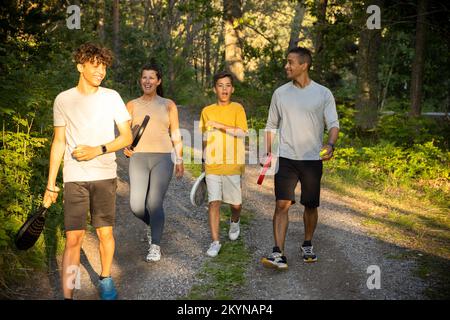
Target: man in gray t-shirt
{"x": 84, "y": 119}
{"x": 299, "y": 112}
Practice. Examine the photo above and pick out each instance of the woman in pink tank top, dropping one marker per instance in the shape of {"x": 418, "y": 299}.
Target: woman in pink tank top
{"x": 152, "y": 160}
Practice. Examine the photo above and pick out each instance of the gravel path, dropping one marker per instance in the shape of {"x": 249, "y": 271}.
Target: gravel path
{"x": 344, "y": 249}
{"x": 344, "y": 253}
{"x": 182, "y": 246}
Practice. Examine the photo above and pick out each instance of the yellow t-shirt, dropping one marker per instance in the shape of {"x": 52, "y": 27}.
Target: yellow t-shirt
{"x": 225, "y": 154}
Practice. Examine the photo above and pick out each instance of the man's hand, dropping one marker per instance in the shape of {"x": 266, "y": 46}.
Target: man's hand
{"x": 86, "y": 153}
{"x": 326, "y": 153}
{"x": 264, "y": 159}
{"x": 128, "y": 152}
{"x": 50, "y": 195}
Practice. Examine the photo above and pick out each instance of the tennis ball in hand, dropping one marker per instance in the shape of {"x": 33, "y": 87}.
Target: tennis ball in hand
{"x": 323, "y": 153}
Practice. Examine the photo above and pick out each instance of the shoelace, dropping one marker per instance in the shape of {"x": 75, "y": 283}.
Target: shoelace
{"x": 153, "y": 250}
{"x": 213, "y": 246}
{"x": 308, "y": 250}
{"x": 234, "y": 228}
{"x": 275, "y": 255}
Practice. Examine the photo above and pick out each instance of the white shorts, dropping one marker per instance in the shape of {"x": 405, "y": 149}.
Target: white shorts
{"x": 224, "y": 188}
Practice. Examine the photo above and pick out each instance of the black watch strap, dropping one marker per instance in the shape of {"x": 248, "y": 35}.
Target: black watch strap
{"x": 331, "y": 145}
{"x": 104, "y": 150}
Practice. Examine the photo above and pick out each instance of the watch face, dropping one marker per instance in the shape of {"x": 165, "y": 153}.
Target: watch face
{"x": 104, "y": 149}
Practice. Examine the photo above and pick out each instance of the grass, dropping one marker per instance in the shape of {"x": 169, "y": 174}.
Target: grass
{"x": 225, "y": 272}
{"x": 193, "y": 168}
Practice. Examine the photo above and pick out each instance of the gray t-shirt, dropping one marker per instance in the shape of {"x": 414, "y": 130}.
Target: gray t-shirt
{"x": 301, "y": 114}
{"x": 89, "y": 120}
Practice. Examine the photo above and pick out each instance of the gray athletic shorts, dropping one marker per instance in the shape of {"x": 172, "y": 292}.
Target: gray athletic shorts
{"x": 96, "y": 197}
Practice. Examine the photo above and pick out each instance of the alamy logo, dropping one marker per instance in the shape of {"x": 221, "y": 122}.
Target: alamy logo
{"x": 374, "y": 20}
{"x": 73, "y": 279}
{"x": 74, "y": 20}
{"x": 374, "y": 280}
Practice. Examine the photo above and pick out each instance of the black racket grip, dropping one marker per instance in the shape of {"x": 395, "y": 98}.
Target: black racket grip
{"x": 140, "y": 133}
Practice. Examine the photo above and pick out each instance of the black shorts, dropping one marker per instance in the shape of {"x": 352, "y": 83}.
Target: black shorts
{"x": 308, "y": 172}
{"x": 97, "y": 197}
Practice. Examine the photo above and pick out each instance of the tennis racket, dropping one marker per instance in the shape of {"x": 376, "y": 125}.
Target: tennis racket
{"x": 140, "y": 132}
{"x": 264, "y": 169}
{"x": 30, "y": 231}
{"x": 199, "y": 191}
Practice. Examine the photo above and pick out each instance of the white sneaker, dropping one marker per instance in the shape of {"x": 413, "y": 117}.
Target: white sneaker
{"x": 234, "y": 231}
{"x": 214, "y": 249}
{"x": 154, "y": 253}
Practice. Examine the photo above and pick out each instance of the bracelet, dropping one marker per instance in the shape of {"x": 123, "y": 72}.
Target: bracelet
{"x": 52, "y": 190}
{"x": 179, "y": 161}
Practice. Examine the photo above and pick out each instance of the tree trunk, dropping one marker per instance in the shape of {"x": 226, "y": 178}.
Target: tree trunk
{"x": 146, "y": 12}
{"x": 116, "y": 35}
{"x": 296, "y": 25}
{"x": 207, "y": 57}
{"x": 101, "y": 20}
{"x": 367, "y": 76}
{"x": 418, "y": 62}
{"x": 320, "y": 31}
{"x": 169, "y": 47}
{"x": 233, "y": 35}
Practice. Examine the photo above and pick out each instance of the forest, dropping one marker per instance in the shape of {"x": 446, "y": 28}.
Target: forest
{"x": 386, "y": 62}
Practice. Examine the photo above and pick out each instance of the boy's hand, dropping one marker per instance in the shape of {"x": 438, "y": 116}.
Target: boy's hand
{"x": 86, "y": 153}
{"x": 214, "y": 124}
{"x": 50, "y": 195}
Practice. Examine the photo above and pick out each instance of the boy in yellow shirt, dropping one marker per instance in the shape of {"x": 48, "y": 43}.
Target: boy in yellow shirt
{"x": 224, "y": 126}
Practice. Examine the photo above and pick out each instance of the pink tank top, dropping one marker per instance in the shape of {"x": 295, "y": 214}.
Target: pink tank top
{"x": 156, "y": 136}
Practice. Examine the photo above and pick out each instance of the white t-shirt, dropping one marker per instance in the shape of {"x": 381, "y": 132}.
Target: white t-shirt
{"x": 89, "y": 120}
{"x": 301, "y": 115}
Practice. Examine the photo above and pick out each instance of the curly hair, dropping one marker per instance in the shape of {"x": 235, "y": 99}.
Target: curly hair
{"x": 92, "y": 52}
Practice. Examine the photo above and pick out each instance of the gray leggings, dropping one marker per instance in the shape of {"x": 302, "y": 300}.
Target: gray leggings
{"x": 150, "y": 175}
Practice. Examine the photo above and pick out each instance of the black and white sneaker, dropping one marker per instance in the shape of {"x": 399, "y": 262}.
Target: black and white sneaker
{"x": 308, "y": 254}
{"x": 275, "y": 261}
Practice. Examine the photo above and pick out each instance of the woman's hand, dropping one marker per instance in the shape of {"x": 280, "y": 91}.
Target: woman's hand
{"x": 179, "y": 170}
{"x": 128, "y": 152}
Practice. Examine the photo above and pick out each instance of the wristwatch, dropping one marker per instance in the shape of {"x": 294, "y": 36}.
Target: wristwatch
{"x": 331, "y": 145}
{"x": 104, "y": 150}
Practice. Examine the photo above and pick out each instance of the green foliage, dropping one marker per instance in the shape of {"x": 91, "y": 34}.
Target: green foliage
{"x": 23, "y": 167}
{"x": 257, "y": 118}
{"x": 422, "y": 168}
{"x": 404, "y": 130}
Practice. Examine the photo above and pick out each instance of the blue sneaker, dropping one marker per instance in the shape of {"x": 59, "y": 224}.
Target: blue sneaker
{"x": 107, "y": 289}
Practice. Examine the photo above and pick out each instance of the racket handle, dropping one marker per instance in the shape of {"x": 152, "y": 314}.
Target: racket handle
{"x": 132, "y": 149}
